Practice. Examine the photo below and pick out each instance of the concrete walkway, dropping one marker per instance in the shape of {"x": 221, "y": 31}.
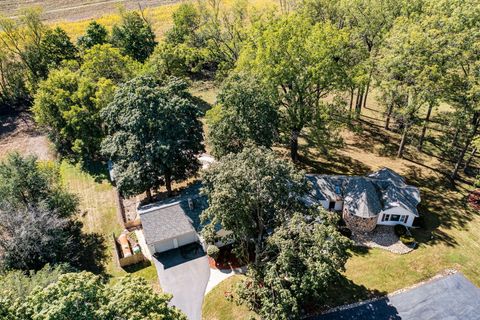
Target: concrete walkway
{"x": 185, "y": 276}
{"x": 217, "y": 276}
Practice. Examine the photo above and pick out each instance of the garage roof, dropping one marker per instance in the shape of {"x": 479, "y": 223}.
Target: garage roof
{"x": 173, "y": 217}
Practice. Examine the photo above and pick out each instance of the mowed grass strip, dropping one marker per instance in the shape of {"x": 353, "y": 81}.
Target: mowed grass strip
{"x": 99, "y": 214}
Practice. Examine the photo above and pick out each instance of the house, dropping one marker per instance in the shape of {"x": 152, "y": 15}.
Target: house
{"x": 382, "y": 197}
{"x": 173, "y": 222}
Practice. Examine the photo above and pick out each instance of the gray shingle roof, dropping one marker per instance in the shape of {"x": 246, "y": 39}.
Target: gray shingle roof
{"x": 325, "y": 187}
{"x": 362, "y": 198}
{"x": 172, "y": 217}
{"x": 367, "y": 196}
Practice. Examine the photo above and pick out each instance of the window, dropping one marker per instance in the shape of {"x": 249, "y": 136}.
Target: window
{"x": 331, "y": 205}
{"x": 395, "y": 217}
{"x": 385, "y": 217}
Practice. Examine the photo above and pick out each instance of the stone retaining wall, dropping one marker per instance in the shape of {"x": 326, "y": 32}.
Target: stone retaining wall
{"x": 355, "y": 223}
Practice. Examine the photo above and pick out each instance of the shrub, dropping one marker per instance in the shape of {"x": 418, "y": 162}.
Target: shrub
{"x": 407, "y": 240}
{"x": 400, "y": 230}
{"x": 213, "y": 251}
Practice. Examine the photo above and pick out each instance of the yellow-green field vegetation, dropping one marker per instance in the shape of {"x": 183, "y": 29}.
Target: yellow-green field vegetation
{"x": 160, "y": 17}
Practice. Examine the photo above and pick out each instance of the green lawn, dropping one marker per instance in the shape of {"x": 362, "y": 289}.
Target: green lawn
{"x": 451, "y": 238}
{"x": 99, "y": 214}
{"x": 217, "y": 307}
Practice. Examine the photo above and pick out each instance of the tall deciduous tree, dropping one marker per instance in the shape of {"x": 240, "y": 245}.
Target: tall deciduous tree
{"x": 299, "y": 61}
{"x": 251, "y": 193}
{"x": 153, "y": 135}
{"x": 85, "y": 296}
{"x": 57, "y": 47}
{"x": 22, "y": 37}
{"x": 24, "y": 183}
{"x": 302, "y": 260}
{"x": 412, "y": 64}
{"x": 463, "y": 76}
{"x": 67, "y": 104}
{"x": 38, "y": 223}
{"x": 105, "y": 61}
{"x": 245, "y": 113}
{"x": 95, "y": 34}
{"x": 134, "y": 36}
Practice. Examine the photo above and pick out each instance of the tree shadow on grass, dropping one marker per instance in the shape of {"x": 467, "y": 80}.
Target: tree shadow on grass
{"x": 345, "y": 291}
{"x": 442, "y": 205}
{"x": 138, "y": 266}
{"x": 333, "y": 164}
{"x": 97, "y": 169}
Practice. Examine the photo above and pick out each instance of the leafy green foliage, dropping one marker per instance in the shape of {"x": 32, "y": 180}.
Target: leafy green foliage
{"x": 186, "y": 20}
{"x": 245, "y": 113}
{"x": 105, "y": 61}
{"x": 134, "y": 36}
{"x": 37, "y": 220}
{"x": 22, "y": 37}
{"x": 57, "y": 47}
{"x": 252, "y": 193}
{"x": 95, "y": 34}
{"x": 68, "y": 105}
{"x": 153, "y": 134}
{"x": 299, "y": 83}
{"x": 53, "y": 295}
{"x": 25, "y": 183}
{"x": 301, "y": 261}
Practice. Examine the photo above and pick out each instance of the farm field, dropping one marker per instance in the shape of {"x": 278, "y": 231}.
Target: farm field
{"x": 75, "y": 10}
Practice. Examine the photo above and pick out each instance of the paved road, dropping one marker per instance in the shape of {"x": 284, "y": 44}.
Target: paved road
{"x": 449, "y": 298}
{"x": 185, "y": 275}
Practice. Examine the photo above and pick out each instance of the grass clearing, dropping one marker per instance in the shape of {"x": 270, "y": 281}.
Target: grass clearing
{"x": 99, "y": 214}
{"x": 217, "y": 307}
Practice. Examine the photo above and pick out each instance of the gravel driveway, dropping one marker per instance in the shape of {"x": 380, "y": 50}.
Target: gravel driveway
{"x": 184, "y": 272}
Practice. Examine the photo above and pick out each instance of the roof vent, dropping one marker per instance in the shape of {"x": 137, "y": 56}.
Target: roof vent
{"x": 190, "y": 203}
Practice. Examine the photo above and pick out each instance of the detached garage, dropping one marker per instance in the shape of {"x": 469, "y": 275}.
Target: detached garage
{"x": 168, "y": 226}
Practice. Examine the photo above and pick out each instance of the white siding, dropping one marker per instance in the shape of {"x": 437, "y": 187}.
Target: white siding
{"x": 396, "y": 211}
{"x": 176, "y": 242}
{"x": 187, "y": 238}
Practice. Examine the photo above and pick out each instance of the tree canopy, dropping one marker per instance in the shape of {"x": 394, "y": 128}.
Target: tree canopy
{"x": 38, "y": 223}
{"x": 301, "y": 82}
{"x": 58, "y": 294}
{"x": 134, "y": 36}
{"x": 245, "y": 113}
{"x": 251, "y": 193}
{"x": 153, "y": 134}
{"x": 301, "y": 262}
{"x": 94, "y": 34}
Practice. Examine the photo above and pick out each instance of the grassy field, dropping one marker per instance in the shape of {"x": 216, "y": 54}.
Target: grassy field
{"x": 99, "y": 215}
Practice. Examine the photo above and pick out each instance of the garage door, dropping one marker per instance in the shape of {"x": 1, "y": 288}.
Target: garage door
{"x": 164, "y": 245}
{"x": 176, "y": 242}
{"x": 187, "y": 238}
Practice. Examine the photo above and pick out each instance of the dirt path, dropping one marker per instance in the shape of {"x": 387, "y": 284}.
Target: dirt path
{"x": 68, "y": 10}
{"x": 18, "y": 133}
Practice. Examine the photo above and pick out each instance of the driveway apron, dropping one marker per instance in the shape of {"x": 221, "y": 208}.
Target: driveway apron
{"x": 184, "y": 272}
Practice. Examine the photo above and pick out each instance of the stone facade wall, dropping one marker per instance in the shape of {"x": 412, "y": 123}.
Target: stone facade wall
{"x": 355, "y": 223}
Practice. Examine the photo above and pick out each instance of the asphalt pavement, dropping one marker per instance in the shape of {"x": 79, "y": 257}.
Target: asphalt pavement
{"x": 452, "y": 297}
{"x": 184, "y": 272}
